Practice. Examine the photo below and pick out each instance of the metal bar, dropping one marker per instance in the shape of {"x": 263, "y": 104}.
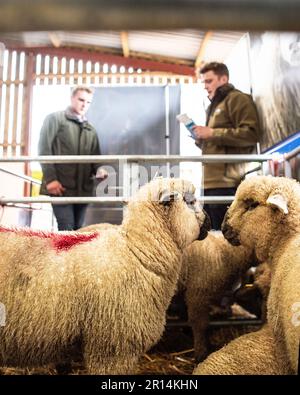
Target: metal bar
{"x": 236, "y": 322}
{"x": 79, "y": 200}
{"x": 217, "y": 324}
{"x": 216, "y": 199}
{"x": 139, "y": 158}
{"x": 42, "y": 15}
{"x": 23, "y": 177}
{"x": 27, "y": 207}
{"x": 62, "y": 200}
{"x": 292, "y": 154}
{"x": 287, "y": 169}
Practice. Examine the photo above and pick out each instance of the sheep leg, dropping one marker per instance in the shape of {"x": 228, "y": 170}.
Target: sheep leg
{"x": 199, "y": 321}
{"x": 97, "y": 363}
{"x": 200, "y": 339}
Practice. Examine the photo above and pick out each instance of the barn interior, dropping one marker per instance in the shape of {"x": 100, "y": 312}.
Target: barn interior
{"x": 142, "y": 60}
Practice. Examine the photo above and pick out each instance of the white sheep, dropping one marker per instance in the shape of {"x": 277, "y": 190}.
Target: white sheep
{"x": 210, "y": 267}
{"x": 250, "y": 354}
{"x": 106, "y": 292}
{"x": 265, "y": 217}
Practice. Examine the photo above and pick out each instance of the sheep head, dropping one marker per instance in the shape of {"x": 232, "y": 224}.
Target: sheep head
{"x": 173, "y": 199}
{"x": 265, "y": 208}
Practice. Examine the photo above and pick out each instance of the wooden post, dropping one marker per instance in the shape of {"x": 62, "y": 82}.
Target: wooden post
{"x": 7, "y": 103}
{"x": 27, "y": 112}
{"x": 16, "y": 101}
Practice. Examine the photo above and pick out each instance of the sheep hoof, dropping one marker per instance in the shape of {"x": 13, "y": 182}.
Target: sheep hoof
{"x": 63, "y": 368}
{"x": 200, "y": 356}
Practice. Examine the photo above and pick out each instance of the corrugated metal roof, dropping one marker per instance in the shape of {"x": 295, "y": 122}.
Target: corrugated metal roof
{"x": 183, "y": 44}
{"x": 174, "y": 45}
{"x": 220, "y": 45}
{"x": 101, "y": 39}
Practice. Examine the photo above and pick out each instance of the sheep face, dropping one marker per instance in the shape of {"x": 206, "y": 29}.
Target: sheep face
{"x": 182, "y": 212}
{"x": 186, "y": 220}
{"x": 264, "y": 207}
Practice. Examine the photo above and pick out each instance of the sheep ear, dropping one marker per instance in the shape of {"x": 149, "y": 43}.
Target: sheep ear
{"x": 279, "y": 202}
{"x": 166, "y": 197}
{"x": 157, "y": 175}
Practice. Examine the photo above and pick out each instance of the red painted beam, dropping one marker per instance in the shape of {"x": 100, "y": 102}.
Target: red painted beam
{"x": 110, "y": 59}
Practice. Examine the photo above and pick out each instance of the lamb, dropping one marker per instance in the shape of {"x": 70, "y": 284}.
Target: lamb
{"x": 254, "y": 296}
{"x": 210, "y": 267}
{"x": 250, "y": 354}
{"x": 274, "y": 204}
{"x": 253, "y": 353}
{"x": 107, "y": 293}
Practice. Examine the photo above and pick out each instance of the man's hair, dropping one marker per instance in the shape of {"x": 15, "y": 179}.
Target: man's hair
{"x": 82, "y": 88}
{"x": 219, "y": 69}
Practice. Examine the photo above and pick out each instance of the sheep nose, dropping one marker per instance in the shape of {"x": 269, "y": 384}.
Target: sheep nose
{"x": 225, "y": 220}
{"x": 206, "y": 226}
{"x": 230, "y": 234}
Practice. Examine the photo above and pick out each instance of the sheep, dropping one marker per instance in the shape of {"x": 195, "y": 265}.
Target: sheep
{"x": 254, "y": 296}
{"x": 265, "y": 217}
{"x": 250, "y": 354}
{"x": 262, "y": 279}
{"x": 210, "y": 267}
{"x": 97, "y": 227}
{"x": 107, "y": 293}
{"x": 254, "y": 353}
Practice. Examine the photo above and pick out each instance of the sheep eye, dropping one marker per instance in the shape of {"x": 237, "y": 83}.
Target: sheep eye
{"x": 189, "y": 198}
{"x": 251, "y": 204}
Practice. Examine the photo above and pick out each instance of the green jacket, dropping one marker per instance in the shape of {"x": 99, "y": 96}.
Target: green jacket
{"x": 233, "y": 117}
{"x": 63, "y": 136}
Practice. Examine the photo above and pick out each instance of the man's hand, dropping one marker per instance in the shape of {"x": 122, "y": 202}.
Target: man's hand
{"x": 101, "y": 174}
{"x": 55, "y": 188}
{"x": 203, "y": 132}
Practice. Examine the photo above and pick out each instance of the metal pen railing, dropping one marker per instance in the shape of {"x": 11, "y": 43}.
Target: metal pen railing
{"x": 139, "y": 158}
{"x": 123, "y": 160}
{"x": 98, "y": 200}
{"x": 21, "y": 176}
{"x": 292, "y": 154}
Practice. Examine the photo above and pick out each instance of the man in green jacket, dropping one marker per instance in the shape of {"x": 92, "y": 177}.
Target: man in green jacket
{"x": 232, "y": 127}
{"x": 69, "y": 133}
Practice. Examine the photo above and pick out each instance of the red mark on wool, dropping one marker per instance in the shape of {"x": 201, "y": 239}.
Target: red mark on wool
{"x": 61, "y": 242}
